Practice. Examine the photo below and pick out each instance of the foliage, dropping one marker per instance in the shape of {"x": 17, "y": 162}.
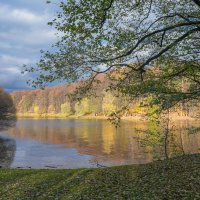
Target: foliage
{"x": 82, "y": 107}
{"x": 52, "y": 102}
{"x": 108, "y": 104}
{"x": 36, "y": 110}
{"x": 103, "y": 36}
{"x": 176, "y": 178}
{"x": 7, "y": 108}
{"x": 96, "y": 104}
{"x": 66, "y": 108}
{"x": 165, "y": 87}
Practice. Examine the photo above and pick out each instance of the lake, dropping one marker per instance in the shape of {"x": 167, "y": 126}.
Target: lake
{"x": 74, "y": 143}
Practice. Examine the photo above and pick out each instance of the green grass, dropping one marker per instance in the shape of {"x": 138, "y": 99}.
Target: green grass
{"x": 177, "y": 178}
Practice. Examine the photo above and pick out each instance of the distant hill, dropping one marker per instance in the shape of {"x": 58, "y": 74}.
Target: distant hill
{"x": 56, "y": 102}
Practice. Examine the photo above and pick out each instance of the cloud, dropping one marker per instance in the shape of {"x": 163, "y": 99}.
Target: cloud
{"x": 20, "y": 15}
{"x": 16, "y": 80}
{"x": 11, "y": 77}
{"x": 23, "y": 33}
{"x": 32, "y": 37}
{"x": 8, "y": 60}
{"x": 11, "y": 70}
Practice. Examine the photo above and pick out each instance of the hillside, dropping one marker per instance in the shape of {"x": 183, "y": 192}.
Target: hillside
{"x": 56, "y": 102}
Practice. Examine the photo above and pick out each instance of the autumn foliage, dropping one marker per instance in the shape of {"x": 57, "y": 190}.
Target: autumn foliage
{"x": 57, "y": 102}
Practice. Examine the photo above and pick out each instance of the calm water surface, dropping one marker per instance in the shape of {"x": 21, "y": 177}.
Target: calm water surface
{"x": 88, "y": 143}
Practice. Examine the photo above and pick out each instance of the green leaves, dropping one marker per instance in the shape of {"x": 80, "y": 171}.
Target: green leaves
{"x": 171, "y": 179}
{"x": 102, "y": 36}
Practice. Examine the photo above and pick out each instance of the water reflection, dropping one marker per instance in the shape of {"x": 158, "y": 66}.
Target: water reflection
{"x": 132, "y": 143}
{"x": 6, "y": 124}
{"x": 7, "y": 152}
{"x": 182, "y": 137}
{"x": 7, "y": 145}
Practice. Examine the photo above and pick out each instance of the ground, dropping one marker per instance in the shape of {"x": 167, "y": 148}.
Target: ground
{"x": 177, "y": 178}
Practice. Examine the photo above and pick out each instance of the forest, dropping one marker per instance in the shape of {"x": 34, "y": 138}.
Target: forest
{"x": 59, "y": 101}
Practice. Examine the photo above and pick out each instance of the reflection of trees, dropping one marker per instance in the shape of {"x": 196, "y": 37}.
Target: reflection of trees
{"x": 7, "y": 120}
{"x": 172, "y": 140}
{"x": 7, "y": 151}
{"x": 133, "y": 142}
{"x": 6, "y": 124}
{"x": 97, "y": 138}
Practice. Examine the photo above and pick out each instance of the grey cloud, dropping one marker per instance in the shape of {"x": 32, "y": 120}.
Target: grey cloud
{"x": 12, "y": 79}
{"x": 19, "y": 15}
{"x": 22, "y": 34}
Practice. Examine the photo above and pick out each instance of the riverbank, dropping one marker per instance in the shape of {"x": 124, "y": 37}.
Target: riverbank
{"x": 92, "y": 117}
{"x": 177, "y": 178}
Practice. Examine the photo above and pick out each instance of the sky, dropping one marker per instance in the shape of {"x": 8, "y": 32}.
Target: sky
{"x": 23, "y": 33}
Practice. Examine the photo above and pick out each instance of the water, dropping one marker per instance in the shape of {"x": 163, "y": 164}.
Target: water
{"x": 90, "y": 143}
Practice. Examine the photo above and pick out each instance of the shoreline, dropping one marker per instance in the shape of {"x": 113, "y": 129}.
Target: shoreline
{"x": 92, "y": 117}
{"x": 176, "y": 178}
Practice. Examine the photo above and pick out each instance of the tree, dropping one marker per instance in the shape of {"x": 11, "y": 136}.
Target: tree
{"x": 7, "y": 108}
{"x": 108, "y": 103}
{"x": 82, "y": 107}
{"x": 66, "y": 108}
{"x": 101, "y": 36}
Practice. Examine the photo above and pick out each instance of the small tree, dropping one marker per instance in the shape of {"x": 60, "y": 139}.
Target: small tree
{"x": 66, "y": 108}
{"x": 7, "y": 108}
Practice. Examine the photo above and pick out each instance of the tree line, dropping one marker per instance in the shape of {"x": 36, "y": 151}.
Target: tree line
{"x": 58, "y": 101}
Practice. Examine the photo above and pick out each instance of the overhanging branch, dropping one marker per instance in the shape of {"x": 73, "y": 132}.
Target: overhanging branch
{"x": 168, "y": 47}
{"x": 195, "y": 23}
{"x": 197, "y": 2}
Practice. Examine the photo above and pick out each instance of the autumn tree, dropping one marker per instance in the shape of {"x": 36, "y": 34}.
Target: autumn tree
{"x": 66, "y": 108}
{"x": 108, "y": 103}
{"x": 100, "y": 36}
{"x": 82, "y": 107}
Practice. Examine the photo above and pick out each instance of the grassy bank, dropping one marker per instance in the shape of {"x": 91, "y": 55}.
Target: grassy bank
{"x": 178, "y": 178}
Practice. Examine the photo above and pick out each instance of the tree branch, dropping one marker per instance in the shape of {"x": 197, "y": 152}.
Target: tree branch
{"x": 147, "y": 36}
{"x": 168, "y": 47}
{"x": 105, "y": 13}
{"x": 197, "y": 2}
